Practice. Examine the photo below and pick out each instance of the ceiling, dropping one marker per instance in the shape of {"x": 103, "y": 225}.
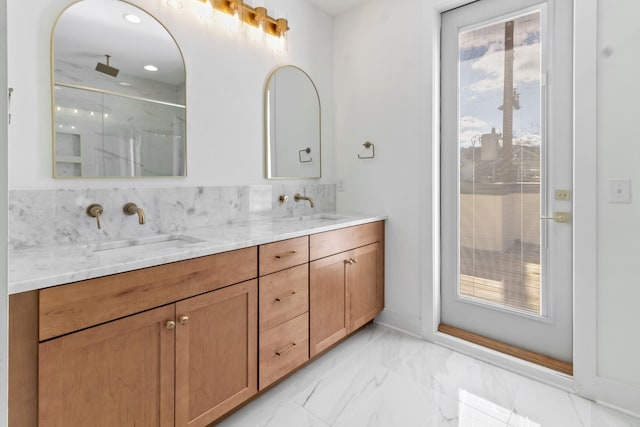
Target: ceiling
{"x": 336, "y": 7}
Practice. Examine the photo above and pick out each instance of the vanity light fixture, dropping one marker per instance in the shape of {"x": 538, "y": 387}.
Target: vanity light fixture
{"x": 255, "y": 17}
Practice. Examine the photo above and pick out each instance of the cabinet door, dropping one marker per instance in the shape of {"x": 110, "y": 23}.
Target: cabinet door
{"x": 363, "y": 286}
{"x": 117, "y": 374}
{"x": 328, "y": 321}
{"x": 216, "y": 353}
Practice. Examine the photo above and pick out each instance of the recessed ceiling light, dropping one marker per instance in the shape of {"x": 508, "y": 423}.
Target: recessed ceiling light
{"x": 150, "y": 67}
{"x": 125, "y": 84}
{"x": 130, "y": 17}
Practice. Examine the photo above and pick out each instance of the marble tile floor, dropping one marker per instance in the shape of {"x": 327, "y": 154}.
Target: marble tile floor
{"x": 383, "y": 378}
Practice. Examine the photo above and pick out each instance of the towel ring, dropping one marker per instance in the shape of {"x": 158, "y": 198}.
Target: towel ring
{"x": 306, "y": 150}
{"x": 368, "y": 145}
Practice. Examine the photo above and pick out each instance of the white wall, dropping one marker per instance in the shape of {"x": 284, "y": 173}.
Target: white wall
{"x": 618, "y": 235}
{"x": 382, "y": 95}
{"x": 386, "y": 65}
{"x": 226, "y": 74}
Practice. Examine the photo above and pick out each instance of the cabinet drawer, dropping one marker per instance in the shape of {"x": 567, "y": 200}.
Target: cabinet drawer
{"x": 332, "y": 242}
{"x": 280, "y": 255}
{"x": 283, "y": 296}
{"x": 283, "y": 348}
{"x": 76, "y": 306}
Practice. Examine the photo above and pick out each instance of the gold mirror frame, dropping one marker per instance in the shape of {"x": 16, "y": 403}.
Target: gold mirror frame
{"x": 149, "y": 115}
{"x": 303, "y": 153}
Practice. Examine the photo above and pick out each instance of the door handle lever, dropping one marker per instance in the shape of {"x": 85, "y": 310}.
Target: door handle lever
{"x": 562, "y": 217}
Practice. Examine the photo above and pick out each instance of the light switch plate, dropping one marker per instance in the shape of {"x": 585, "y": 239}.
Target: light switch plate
{"x": 620, "y": 190}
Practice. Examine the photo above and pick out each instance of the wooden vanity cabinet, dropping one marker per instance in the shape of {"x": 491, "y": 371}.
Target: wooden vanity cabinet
{"x": 182, "y": 344}
{"x": 185, "y": 363}
{"x": 284, "y": 308}
{"x": 116, "y": 374}
{"x": 346, "y": 289}
{"x": 216, "y": 353}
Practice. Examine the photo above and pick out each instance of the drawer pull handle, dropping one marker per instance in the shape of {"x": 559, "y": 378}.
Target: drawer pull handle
{"x": 286, "y": 349}
{"x": 288, "y": 254}
{"x": 184, "y": 320}
{"x": 170, "y": 324}
{"x": 351, "y": 261}
{"x": 280, "y": 299}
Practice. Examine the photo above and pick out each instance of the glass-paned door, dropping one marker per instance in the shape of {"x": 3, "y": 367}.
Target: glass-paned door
{"x": 506, "y": 148}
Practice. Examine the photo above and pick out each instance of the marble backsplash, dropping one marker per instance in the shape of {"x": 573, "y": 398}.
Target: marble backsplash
{"x": 47, "y": 218}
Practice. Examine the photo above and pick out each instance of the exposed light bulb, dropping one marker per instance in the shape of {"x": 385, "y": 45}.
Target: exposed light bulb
{"x": 176, "y": 4}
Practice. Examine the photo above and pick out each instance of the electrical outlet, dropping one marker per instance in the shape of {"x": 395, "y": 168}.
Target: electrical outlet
{"x": 563, "y": 195}
{"x": 341, "y": 185}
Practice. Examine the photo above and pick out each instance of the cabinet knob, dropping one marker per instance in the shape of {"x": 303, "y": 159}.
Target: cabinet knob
{"x": 170, "y": 324}
{"x": 184, "y": 320}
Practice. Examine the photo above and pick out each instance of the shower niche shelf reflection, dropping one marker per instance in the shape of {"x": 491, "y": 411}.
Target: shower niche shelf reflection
{"x": 114, "y": 114}
{"x": 68, "y": 154}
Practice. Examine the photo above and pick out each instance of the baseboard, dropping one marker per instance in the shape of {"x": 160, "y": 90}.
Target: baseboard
{"x": 408, "y": 324}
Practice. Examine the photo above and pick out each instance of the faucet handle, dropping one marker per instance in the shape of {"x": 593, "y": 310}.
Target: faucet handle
{"x": 95, "y": 210}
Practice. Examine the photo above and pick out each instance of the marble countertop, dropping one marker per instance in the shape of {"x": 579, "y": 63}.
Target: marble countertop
{"x": 41, "y": 268}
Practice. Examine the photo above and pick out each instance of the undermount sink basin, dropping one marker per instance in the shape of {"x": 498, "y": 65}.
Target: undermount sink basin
{"x": 316, "y": 217}
{"x": 166, "y": 241}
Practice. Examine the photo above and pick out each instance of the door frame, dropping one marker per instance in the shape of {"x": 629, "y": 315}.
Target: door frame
{"x": 432, "y": 307}
{"x": 588, "y": 383}
{"x": 585, "y": 381}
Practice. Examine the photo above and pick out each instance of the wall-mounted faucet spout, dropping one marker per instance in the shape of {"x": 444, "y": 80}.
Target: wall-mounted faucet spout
{"x": 132, "y": 209}
{"x": 299, "y": 197}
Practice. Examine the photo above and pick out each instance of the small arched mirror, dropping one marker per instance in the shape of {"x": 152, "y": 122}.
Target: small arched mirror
{"x": 118, "y": 94}
{"x": 292, "y": 125}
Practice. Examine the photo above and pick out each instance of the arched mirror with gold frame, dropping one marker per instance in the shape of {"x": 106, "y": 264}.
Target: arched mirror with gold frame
{"x": 118, "y": 93}
{"x": 292, "y": 125}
